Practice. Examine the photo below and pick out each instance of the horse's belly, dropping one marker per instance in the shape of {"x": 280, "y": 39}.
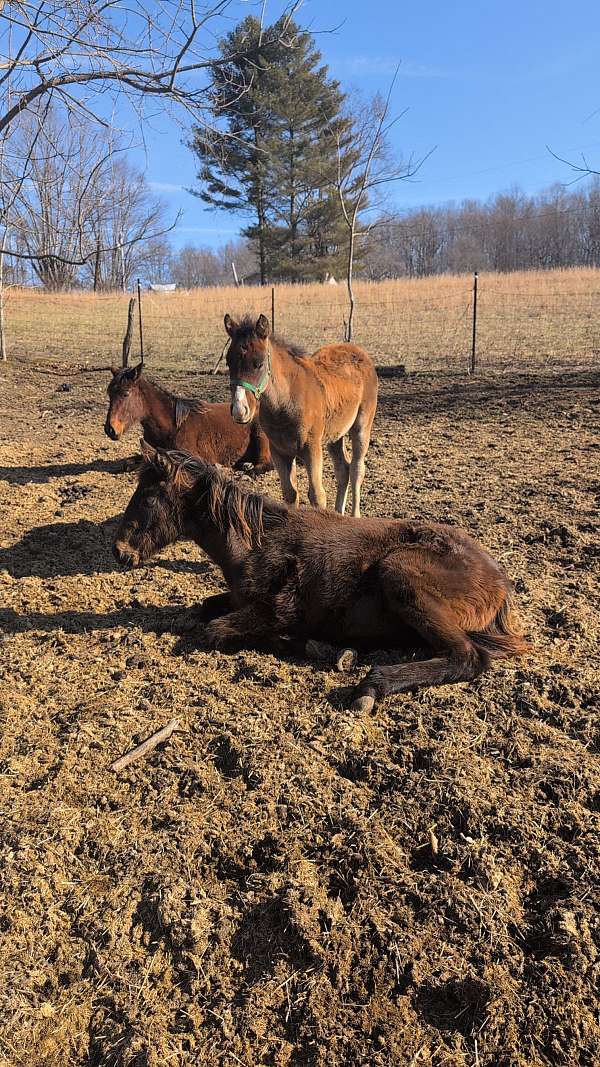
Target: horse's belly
{"x": 365, "y": 622}
{"x": 339, "y": 425}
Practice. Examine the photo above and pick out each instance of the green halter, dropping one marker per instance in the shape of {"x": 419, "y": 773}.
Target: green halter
{"x": 259, "y": 389}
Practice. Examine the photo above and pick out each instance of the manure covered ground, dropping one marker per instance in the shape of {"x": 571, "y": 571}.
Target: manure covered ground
{"x": 282, "y": 883}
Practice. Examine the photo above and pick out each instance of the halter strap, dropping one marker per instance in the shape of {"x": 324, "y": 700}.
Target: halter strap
{"x": 259, "y": 389}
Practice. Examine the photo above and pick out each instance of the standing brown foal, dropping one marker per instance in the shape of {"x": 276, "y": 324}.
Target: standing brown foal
{"x": 305, "y": 401}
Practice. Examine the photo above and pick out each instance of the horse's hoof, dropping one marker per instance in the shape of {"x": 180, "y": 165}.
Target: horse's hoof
{"x": 347, "y": 659}
{"x": 363, "y": 704}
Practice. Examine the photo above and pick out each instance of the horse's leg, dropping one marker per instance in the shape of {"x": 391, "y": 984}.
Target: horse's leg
{"x": 239, "y": 629}
{"x": 360, "y": 435}
{"x": 262, "y": 462}
{"x": 257, "y": 454}
{"x": 312, "y": 457}
{"x": 286, "y": 469}
{"x": 341, "y": 466}
{"x": 212, "y": 607}
{"x": 459, "y": 659}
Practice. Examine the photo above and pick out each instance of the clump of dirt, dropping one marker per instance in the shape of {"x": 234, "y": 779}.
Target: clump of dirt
{"x": 282, "y": 884}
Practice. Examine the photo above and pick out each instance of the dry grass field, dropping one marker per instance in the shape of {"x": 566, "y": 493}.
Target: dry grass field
{"x": 283, "y": 884}
{"x": 532, "y": 319}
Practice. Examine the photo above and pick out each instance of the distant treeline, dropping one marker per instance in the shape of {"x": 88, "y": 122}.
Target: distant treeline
{"x": 557, "y": 228}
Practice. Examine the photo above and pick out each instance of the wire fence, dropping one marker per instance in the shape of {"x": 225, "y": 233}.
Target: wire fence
{"x": 523, "y": 321}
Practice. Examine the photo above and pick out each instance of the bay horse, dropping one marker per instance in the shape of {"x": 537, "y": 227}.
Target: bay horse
{"x": 305, "y": 402}
{"x": 298, "y": 574}
{"x": 169, "y": 421}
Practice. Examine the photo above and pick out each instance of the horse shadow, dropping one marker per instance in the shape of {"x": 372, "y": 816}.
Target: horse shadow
{"x": 41, "y": 474}
{"x": 62, "y": 549}
{"x": 149, "y": 619}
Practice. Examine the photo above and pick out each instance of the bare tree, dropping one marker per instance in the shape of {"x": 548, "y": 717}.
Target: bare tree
{"x": 361, "y": 177}
{"x": 85, "y": 49}
{"x": 56, "y": 172}
{"x": 195, "y": 267}
{"x": 87, "y": 55}
{"x": 126, "y": 222}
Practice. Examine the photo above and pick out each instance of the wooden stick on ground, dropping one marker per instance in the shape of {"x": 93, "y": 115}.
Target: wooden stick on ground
{"x": 146, "y": 746}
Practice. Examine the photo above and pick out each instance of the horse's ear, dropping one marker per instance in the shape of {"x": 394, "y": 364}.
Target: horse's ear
{"x": 148, "y": 452}
{"x": 135, "y": 372}
{"x": 114, "y": 371}
{"x": 159, "y": 459}
{"x": 263, "y": 327}
{"x": 163, "y": 462}
{"x": 230, "y": 325}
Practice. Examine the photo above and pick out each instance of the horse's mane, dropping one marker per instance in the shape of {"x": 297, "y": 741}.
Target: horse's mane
{"x": 229, "y": 505}
{"x": 246, "y": 330}
{"x": 185, "y": 407}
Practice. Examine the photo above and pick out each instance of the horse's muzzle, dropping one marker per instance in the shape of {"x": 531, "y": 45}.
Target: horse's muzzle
{"x": 125, "y": 555}
{"x": 110, "y": 432}
{"x": 241, "y": 419}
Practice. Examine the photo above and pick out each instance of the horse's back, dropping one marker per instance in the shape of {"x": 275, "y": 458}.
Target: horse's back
{"x": 348, "y": 378}
{"x": 210, "y": 433}
{"x": 346, "y": 361}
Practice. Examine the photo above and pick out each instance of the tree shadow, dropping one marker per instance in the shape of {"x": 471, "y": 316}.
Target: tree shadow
{"x": 40, "y": 474}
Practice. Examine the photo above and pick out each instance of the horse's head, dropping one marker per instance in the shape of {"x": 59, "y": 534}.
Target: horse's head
{"x": 249, "y": 362}
{"x": 153, "y": 517}
{"x": 125, "y": 401}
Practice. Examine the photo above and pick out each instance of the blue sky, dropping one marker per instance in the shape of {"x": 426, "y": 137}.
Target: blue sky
{"x": 489, "y": 84}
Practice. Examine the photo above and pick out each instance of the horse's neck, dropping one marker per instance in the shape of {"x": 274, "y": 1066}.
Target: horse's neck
{"x": 284, "y": 370}
{"x": 220, "y": 543}
{"x": 158, "y": 420}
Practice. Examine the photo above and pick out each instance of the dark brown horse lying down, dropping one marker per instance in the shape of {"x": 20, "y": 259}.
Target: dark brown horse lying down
{"x": 315, "y": 574}
{"x": 203, "y": 429}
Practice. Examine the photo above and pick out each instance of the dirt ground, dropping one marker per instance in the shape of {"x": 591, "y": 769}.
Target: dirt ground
{"x": 281, "y": 883}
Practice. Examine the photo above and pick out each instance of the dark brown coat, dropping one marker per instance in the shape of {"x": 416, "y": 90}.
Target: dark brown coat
{"x": 300, "y": 574}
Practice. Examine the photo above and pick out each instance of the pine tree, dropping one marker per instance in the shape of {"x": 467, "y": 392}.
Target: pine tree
{"x": 283, "y": 117}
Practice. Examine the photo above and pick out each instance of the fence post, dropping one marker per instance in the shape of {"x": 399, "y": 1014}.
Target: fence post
{"x": 128, "y": 333}
{"x": 2, "y": 334}
{"x": 140, "y": 316}
{"x": 474, "y": 340}
{"x": 272, "y": 309}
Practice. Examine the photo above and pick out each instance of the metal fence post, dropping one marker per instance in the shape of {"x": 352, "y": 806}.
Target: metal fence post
{"x": 272, "y": 309}
{"x": 474, "y": 340}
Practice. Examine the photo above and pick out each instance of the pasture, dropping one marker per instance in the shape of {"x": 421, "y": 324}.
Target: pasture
{"x": 284, "y": 883}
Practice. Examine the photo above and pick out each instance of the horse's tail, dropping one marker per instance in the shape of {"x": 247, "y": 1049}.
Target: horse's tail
{"x": 503, "y": 637}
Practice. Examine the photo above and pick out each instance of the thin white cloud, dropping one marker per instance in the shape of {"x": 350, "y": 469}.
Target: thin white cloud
{"x": 166, "y": 187}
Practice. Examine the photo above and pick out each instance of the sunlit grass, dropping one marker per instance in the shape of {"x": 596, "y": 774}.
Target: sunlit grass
{"x": 532, "y": 318}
